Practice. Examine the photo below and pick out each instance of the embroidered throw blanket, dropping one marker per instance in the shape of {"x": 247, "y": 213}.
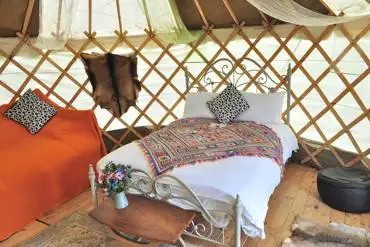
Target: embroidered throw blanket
{"x": 193, "y": 140}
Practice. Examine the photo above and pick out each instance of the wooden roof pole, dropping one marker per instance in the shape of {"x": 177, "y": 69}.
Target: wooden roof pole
{"x": 231, "y": 12}
{"x": 119, "y": 16}
{"x": 59, "y": 17}
{"x": 327, "y": 7}
{"x": 265, "y": 21}
{"x": 200, "y": 10}
{"x": 27, "y": 16}
{"x": 147, "y": 16}
{"x": 90, "y": 16}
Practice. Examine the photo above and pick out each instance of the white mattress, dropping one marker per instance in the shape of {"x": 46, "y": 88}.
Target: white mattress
{"x": 218, "y": 182}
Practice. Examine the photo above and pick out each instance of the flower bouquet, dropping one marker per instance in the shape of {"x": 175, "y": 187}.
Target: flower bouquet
{"x": 114, "y": 180}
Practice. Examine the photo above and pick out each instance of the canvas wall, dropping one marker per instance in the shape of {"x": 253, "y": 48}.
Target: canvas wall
{"x": 330, "y": 80}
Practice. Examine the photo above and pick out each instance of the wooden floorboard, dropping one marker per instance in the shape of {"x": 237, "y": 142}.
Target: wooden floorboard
{"x": 80, "y": 203}
{"x": 28, "y": 232}
{"x": 296, "y": 195}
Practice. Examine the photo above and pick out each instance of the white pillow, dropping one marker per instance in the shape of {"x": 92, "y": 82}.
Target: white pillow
{"x": 264, "y": 108}
{"x": 196, "y": 105}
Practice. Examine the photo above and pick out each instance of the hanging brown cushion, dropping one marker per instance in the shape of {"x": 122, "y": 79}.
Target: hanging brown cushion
{"x": 98, "y": 71}
{"x": 134, "y": 74}
{"x": 124, "y": 74}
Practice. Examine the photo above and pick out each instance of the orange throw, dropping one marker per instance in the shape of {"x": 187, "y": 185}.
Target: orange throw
{"x": 39, "y": 172}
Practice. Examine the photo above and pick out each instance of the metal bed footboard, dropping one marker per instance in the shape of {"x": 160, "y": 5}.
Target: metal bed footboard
{"x": 163, "y": 187}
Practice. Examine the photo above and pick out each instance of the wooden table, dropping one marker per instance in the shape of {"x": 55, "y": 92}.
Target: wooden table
{"x": 145, "y": 218}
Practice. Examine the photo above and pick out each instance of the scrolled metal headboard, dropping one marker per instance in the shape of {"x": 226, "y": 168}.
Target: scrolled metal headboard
{"x": 240, "y": 74}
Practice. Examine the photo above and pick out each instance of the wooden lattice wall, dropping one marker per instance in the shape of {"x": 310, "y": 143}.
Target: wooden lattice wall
{"x": 170, "y": 112}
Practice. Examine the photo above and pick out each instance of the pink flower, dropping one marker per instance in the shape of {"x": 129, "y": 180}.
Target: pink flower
{"x": 111, "y": 176}
{"x": 101, "y": 178}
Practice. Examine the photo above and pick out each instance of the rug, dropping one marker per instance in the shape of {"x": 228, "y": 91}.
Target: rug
{"x": 307, "y": 233}
{"x": 77, "y": 230}
{"x": 191, "y": 141}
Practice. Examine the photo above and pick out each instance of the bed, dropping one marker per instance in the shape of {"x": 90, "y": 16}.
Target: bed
{"x": 232, "y": 188}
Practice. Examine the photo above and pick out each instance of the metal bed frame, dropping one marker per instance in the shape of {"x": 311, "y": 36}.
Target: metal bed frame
{"x": 163, "y": 187}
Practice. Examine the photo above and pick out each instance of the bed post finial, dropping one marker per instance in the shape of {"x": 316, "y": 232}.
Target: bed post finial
{"x": 92, "y": 185}
{"x": 238, "y": 213}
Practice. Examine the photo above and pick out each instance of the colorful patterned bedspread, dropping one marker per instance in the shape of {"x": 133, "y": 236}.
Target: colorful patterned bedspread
{"x": 193, "y": 140}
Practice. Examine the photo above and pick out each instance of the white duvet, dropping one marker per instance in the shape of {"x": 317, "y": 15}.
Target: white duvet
{"x": 218, "y": 182}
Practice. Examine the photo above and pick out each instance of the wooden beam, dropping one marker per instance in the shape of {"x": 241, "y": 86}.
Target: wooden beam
{"x": 59, "y": 18}
{"x": 327, "y": 7}
{"x": 265, "y": 22}
{"x": 27, "y": 16}
{"x": 231, "y": 12}
{"x": 119, "y": 16}
{"x": 200, "y": 10}
{"x": 90, "y": 17}
{"x": 147, "y": 16}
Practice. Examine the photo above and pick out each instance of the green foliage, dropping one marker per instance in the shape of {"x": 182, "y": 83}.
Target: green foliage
{"x": 114, "y": 178}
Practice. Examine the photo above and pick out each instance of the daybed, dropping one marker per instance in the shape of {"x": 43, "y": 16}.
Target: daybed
{"x": 39, "y": 172}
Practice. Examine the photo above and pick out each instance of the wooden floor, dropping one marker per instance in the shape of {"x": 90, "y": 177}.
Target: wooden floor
{"x": 296, "y": 195}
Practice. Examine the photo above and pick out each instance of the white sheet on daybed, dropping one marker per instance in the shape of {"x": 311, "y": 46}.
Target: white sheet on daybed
{"x": 218, "y": 182}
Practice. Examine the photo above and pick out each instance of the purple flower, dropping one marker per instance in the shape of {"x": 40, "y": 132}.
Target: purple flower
{"x": 119, "y": 175}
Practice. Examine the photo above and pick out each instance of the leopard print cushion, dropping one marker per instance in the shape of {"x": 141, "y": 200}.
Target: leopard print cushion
{"x": 228, "y": 105}
{"x": 31, "y": 112}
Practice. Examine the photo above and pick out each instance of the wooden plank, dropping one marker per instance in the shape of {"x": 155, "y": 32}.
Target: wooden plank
{"x": 200, "y": 10}
{"x": 282, "y": 200}
{"x": 81, "y": 202}
{"x": 337, "y": 216}
{"x": 353, "y": 220}
{"x": 231, "y": 12}
{"x": 298, "y": 190}
{"x": 300, "y": 179}
{"x": 28, "y": 16}
{"x": 271, "y": 241}
{"x": 27, "y": 232}
{"x": 365, "y": 221}
{"x": 305, "y": 180}
{"x": 149, "y": 219}
{"x": 314, "y": 208}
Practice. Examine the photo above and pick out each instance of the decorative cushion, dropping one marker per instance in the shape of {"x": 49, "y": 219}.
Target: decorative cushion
{"x": 31, "y": 112}
{"x": 228, "y": 105}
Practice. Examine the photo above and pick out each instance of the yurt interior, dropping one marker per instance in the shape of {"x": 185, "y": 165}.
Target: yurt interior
{"x": 185, "y": 123}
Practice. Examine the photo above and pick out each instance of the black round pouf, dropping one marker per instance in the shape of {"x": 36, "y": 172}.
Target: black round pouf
{"x": 345, "y": 189}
